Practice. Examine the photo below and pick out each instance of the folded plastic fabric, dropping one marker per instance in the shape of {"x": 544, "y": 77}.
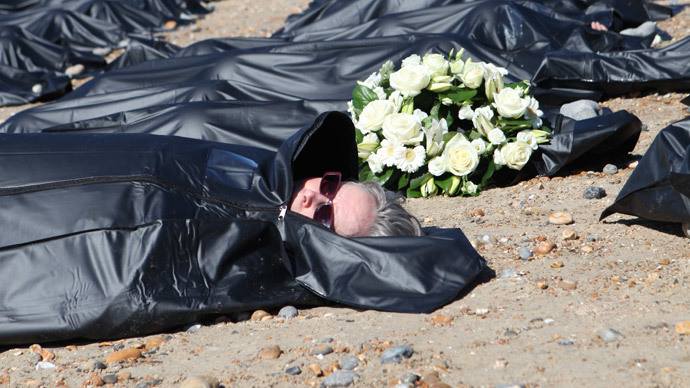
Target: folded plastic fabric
{"x": 108, "y": 235}
{"x": 659, "y": 187}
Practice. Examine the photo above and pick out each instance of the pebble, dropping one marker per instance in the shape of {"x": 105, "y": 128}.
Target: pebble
{"x": 569, "y": 234}
{"x": 293, "y": 370}
{"x": 35, "y": 358}
{"x": 545, "y": 247}
{"x": 511, "y": 385}
{"x": 525, "y": 253}
{"x": 410, "y": 378}
{"x": 37, "y": 88}
{"x": 567, "y": 285}
{"x": 685, "y": 227}
{"x": 510, "y": 333}
{"x": 315, "y": 369}
{"x": 609, "y": 334}
{"x": 404, "y": 385}
{"x": 45, "y": 365}
{"x": 148, "y": 384}
{"x": 594, "y": 192}
{"x": 506, "y": 273}
{"x": 96, "y": 380}
{"x": 610, "y": 169}
{"x": 321, "y": 350}
{"x": 259, "y": 315}
{"x": 194, "y": 328}
{"x": 288, "y": 312}
{"x": 327, "y": 340}
{"x": 560, "y": 218}
{"x": 683, "y": 327}
{"x": 200, "y": 382}
{"x": 110, "y": 379}
{"x": 126, "y": 354}
{"x": 397, "y": 354}
{"x": 532, "y": 210}
{"x": 541, "y": 284}
{"x": 350, "y": 362}
{"x": 97, "y": 365}
{"x": 644, "y": 128}
{"x": 633, "y": 164}
{"x": 565, "y": 342}
{"x": 557, "y": 264}
{"x": 500, "y": 363}
{"x": 340, "y": 378}
{"x": 153, "y": 342}
{"x": 74, "y": 70}
{"x": 270, "y": 352}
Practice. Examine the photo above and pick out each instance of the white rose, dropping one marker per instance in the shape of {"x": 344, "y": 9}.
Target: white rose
{"x": 436, "y": 65}
{"x": 527, "y": 137}
{"x": 479, "y": 145}
{"x": 375, "y": 163}
{"x": 410, "y": 80}
{"x": 516, "y": 154}
{"x": 473, "y": 74}
{"x": 437, "y": 166}
{"x": 482, "y": 120}
{"x": 456, "y": 67}
{"x": 403, "y": 128}
{"x": 373, "y": 115}
{"x": 509, "y": 104}
{"x": 397, "y": 99}
{"x": 496, "y": 136}
{"x": 499, "y": 160}
{"x": 466, "y": 113}
{"x": 413, "y": 59}
{"x": 461, "y": 157}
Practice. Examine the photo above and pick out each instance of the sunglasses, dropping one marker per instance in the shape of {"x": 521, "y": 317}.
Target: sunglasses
{"x": 329, "y": 186}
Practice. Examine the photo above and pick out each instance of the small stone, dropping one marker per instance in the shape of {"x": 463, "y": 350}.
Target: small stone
{"x": 74, "y": 70}
{"x": 148, "y": 384}
{"x": 153, "y": 342}
{"x": 170, "y": 24}
{"x": 478, "y": 213}
{"x": 321, "y": 350}
{"x": 409, "y": 378}
{"x": 288, "y": 312}
{"x": 293, "y": 370}
{"x": 127, "y": 354}
{"x": 327, "y": 340}
{"x": 541, "y": 284}
{"x": 609, "y": 334}
{"x": 633, "y": 164}
{"x": 557, "y": 264}
{"x": 110, "y": 379}
{"x": 37, "y": 89}
{"x": 315, "y": 369}
{"x": 511, "y": 385}
{"x": 644, "y": 128}
{"x": 506, "y": 273}
{"x": 569, "y": 234}
{"x": 683, "y": 327}
{"x": 610, "y": 169}
{"x": 194, "y": 328}
{"x": 96, "y": 380}
{"x": 587, "y": 249}
{"x": 525, "y": 253}
{"x": 510, "y": 334}
{"x": 97, "y": 365}
{"x": 545, "y": 247}
{"x": 560, "y": 218}
{"x": 594, "y": 192}
{"x": 124, "y": 376}
{"x": 200, "y": 382}
{"x": 430, "y": 379}
{"x": 340, "y": 378}
{"x": 532, "y": 210}
{"x": 685, "y": 227}
{"x": 270, "y": 352}
{"x": 350, "y": 362}
{"x": 567, "y": 285}
{"x": 258, "y": 315}
{"x": 397, "y": 354}
{"x": 565, "y": 342}
{"x": 45, "y": 365}
{"x": 500, "y": 363}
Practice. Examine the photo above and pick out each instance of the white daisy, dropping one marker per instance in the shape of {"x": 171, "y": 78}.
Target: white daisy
{"x": 387, "y": 151}
{"x": 409, "y": 159}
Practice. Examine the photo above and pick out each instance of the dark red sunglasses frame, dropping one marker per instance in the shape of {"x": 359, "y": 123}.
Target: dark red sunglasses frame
{"x": 330, "y": 182}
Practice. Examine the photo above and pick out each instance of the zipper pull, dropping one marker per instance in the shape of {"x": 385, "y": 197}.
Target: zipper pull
{"x": 283, "y": 210}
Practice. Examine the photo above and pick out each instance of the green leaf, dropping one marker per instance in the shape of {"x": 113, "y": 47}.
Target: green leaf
{"x": 403, "y": 181}
{"x": 365, "y": 173}
{"x": 489, "y": 172}
{"x": 418, "y": 181}
{"x": 358, "y": 136}
{"x": 362, "y": 95}
{"x": 459, "y": 94}
{"x": 445, "y": 184}
{"x": 413, "y": 193}
{"x": 383, "y": 178}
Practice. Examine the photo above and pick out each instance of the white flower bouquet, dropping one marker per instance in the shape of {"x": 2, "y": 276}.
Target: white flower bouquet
{"x": 443, "y": 126}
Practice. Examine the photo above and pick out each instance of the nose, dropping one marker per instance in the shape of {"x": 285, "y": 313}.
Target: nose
{"x": 313, "y": 199}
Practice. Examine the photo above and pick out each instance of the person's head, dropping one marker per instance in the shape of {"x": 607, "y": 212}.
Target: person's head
{"x": 353, "y": 209}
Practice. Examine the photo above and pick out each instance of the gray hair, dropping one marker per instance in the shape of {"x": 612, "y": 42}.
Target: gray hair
{"x": 391, "y": 219}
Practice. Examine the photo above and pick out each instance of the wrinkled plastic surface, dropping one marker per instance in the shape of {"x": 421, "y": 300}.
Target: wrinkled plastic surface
{"x": 107, "y": 235}
{"x": 40, "y": 39}
{"x": 659, "y": 187}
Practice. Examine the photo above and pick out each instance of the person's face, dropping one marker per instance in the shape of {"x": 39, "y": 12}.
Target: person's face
{"x": 353, "y": 207}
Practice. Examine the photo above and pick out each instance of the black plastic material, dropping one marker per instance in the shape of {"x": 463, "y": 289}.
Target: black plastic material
{"x": 659, "y": 187}
{"x": 107, "y": 235}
